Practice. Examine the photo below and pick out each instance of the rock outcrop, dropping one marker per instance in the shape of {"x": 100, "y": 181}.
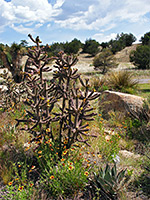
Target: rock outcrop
{"x": 127, "y": 104}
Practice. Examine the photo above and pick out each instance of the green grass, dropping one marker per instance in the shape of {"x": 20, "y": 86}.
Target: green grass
{"x": 144, "y": 91}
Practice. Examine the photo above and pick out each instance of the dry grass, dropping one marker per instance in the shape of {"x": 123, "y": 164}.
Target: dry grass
{"x": 121, "y": 80}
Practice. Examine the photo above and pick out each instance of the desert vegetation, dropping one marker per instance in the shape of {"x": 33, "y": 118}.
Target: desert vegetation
{"x": 56, "y": 142}
{"x": 104, "y": 61}
{"x": 140, "y": 56}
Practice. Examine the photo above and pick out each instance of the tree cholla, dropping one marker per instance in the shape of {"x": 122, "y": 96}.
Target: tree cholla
{"x": 58, "y": 100}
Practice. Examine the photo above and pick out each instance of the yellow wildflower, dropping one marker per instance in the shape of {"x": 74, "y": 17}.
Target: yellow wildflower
{"x": 10, "y": 183}
{"x": 48, "y": 130}
{"x": 20, "y": 188}
{"x": 86, "y": 173}
{"x": 71, "y": 167}
{"x": 52, "y": 177}
{"x": 31, "y": 184}
{"x": 33, "y": 167}
{"x": 65, "y": 152}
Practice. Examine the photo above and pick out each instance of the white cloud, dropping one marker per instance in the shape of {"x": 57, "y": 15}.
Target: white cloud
{"x": 58, "y": 3}
{"x": 104, "y": 13}
{"x": 99, "y": 14}
{"x": 38, "y": 25}
{"x": 133, "y": 11}
{"x": 29, "y": 24}
{"x": 39, "y": 11}
{"x": 88, "y": 17}
{"x": 100, "y": 37}
{"x": 21, "y": 29}
{"x": 113, "y": 25}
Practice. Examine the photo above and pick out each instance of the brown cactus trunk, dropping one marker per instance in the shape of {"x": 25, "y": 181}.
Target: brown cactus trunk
{"x": 14, "y": 68}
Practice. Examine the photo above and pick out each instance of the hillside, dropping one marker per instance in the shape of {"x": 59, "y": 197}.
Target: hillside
{"x": 85, "y": 60}
{"x": 123, "y": 55}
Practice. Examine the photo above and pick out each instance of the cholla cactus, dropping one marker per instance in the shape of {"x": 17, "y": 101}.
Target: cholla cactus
{"x": 14, "y": 63}
{"x": 73, "y": 104}
{"x": 38, "y": 99}
{"x": 12, "y": 94}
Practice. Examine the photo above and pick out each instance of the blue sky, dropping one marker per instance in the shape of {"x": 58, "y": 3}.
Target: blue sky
{"x": 64, "y": 20}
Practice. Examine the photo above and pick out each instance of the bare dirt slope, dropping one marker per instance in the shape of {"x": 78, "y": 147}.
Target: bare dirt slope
{"x": 123, "y": 55}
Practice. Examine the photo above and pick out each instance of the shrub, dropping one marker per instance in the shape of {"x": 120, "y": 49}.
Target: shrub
{"x": 55, "y": 48}
{"x": 126, "y": 39}
{"x": 146, "y": 39}
{"x": 72, "y": 47}
{"x": 91, "y": 47}
{"x": 115, "y": 46}
{"x": 123, "y": 40}
{"x": 104, "y": 45}
{"x": 140, "y": 57}
{"x": 104, "y": 61}
{"x": 98, "y": 83}
{"x": 121, "y": 80}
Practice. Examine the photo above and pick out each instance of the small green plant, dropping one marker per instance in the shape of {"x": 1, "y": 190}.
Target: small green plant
{"x": 21, "y": 184}
{"x": 63, "y": 177}
{"x": 108, "y": 182}
{"x": 136, "y": 129}
{"x": 11, "y": 149}
{"x": 109, "y": 146}
{"x": 142, "y": 181}
{"x": 18, "y": 191}
{"x": 98, "y": 83}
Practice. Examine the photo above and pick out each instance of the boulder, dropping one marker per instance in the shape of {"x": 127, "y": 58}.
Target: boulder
{"x": 128, "y": 154}
{"x": 127, "y": 104}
